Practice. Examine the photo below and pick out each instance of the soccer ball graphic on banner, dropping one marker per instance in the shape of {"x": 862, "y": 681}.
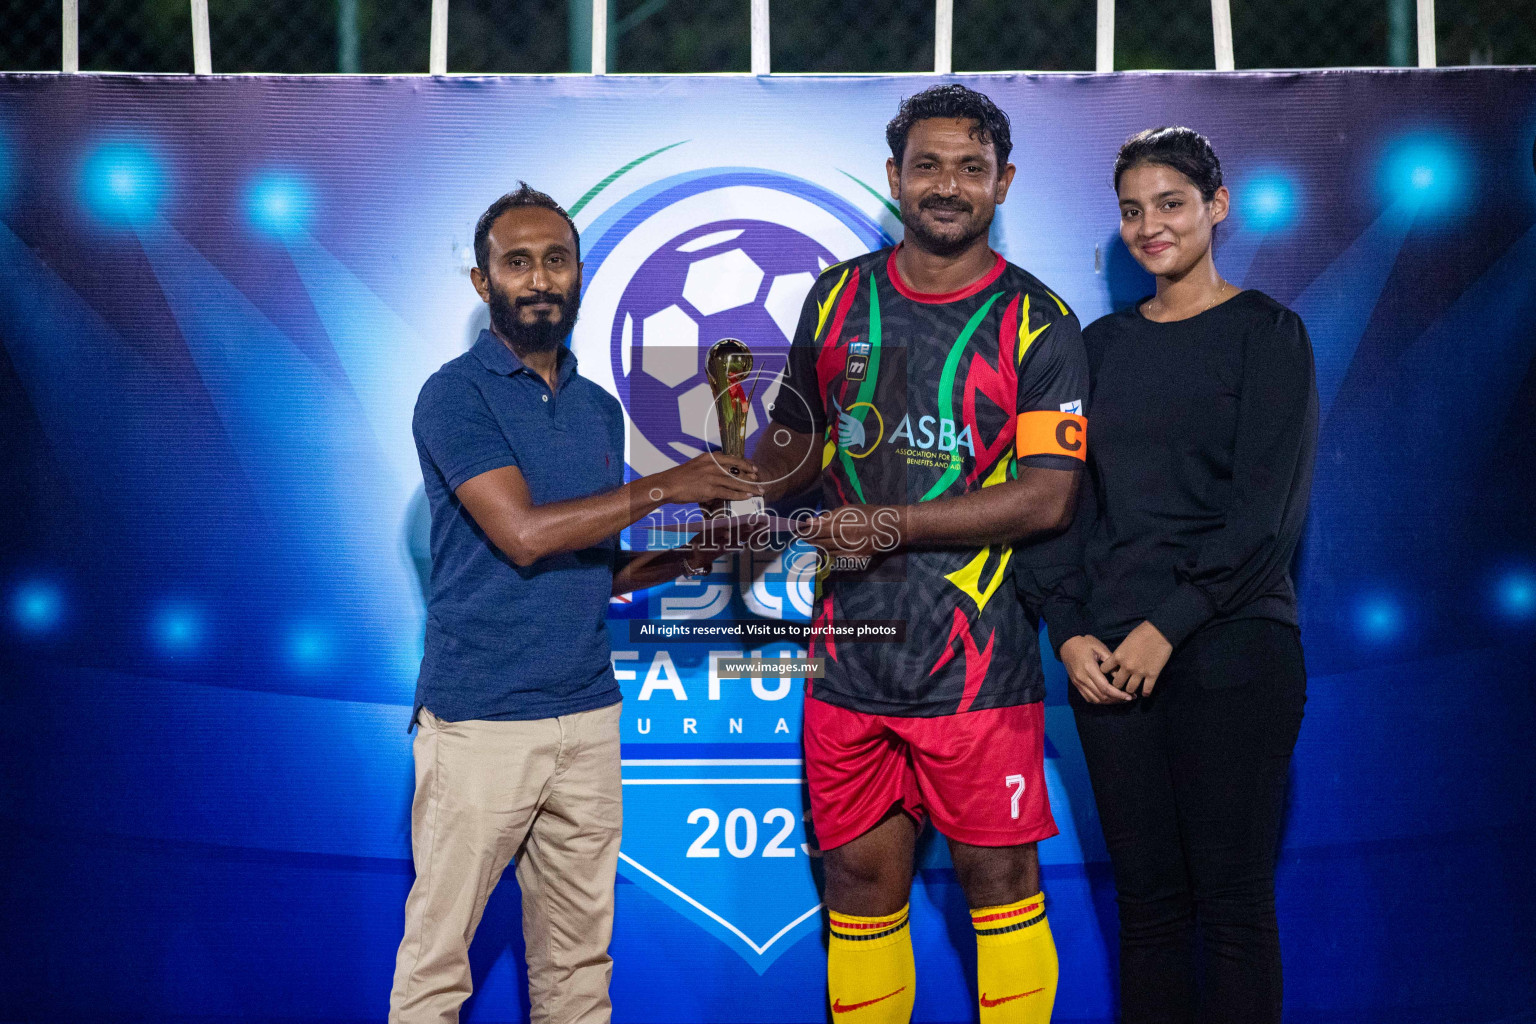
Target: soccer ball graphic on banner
{"x": 739, "y": 278}
{"x": 683, "y": 262}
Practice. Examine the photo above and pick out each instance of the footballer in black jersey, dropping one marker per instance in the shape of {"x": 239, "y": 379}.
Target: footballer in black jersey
{"x": 921, "y": 397}
{"x": 937, "y": 395}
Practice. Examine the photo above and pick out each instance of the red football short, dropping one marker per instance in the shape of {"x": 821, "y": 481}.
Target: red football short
{"x": 979, "y": 775}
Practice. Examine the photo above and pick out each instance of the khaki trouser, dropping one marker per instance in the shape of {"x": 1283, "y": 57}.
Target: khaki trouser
{"x": 546, "y": 793}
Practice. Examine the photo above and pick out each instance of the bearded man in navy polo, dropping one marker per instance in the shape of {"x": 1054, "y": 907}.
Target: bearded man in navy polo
{"x": 517, "y": 708}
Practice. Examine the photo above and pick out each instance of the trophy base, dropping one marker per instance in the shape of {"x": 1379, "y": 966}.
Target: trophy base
{"x": 746, "y": 507}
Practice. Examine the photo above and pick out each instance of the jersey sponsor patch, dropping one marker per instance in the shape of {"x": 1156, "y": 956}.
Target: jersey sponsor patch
{"x": 1052, "y": 433}
{"x": 1075, "y": 407}
{"x": 857, "y": 365}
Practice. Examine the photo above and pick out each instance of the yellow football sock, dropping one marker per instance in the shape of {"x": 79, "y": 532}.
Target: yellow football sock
{"x": 870, "y": 976}
{"x": 1015, "y": 962}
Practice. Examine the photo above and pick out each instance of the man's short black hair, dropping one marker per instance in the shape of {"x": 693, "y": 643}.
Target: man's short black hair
{"x": 524, "y": 196}
{"x": 951, "y": 101}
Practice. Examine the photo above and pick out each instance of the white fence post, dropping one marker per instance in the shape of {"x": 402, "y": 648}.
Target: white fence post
{"x": 762, "y": 57}
{"x": 1399, "y": 33}
{"x": 1427, "y": 33}
{"x": 437, "y": 50}
{"x": 599, "y": 37}
{"x": 202, "y": 57}
{"x": 943, "y": 36}
{"x": 1104, "y": 51}
{"x": 1221, "y": 29}
{"x": 71, "y": 56}
{"x": 346, "y": 37}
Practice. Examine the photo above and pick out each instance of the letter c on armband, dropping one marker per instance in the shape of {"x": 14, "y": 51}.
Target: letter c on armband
{"x": 1052, "y": 433}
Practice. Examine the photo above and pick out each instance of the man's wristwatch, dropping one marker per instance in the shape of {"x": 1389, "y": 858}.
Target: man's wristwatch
{"x": 690, "y": 570}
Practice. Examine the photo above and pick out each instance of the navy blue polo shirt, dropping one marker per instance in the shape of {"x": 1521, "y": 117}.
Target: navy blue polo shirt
{"x": 505, "y": 642}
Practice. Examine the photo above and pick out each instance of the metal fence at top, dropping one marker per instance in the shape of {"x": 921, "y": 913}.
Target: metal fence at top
{"x": 788, "y": 36}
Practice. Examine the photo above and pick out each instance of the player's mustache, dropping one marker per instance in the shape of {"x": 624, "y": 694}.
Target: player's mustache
{"x": 532, "y": 298}
{"x": 946, "y": 203}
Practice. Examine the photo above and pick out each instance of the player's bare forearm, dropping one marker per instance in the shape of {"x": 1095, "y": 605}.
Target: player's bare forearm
{"x": 1039, "y": 503}
{"x": 787, "y": 462}
{"x": 637, "y": 570}
{"x": 642, "y": 569}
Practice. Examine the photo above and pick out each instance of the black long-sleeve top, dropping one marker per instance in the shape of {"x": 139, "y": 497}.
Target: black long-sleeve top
{"x": 1201, "y": 440}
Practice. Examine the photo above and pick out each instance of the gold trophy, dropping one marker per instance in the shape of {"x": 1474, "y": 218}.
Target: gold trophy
{"x": 728, "y": 365}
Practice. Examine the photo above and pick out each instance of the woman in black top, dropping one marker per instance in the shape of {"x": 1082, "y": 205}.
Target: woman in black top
{"x": 1180, "y": 632}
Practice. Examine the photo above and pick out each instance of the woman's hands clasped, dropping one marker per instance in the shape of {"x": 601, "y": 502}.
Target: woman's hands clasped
{"x": 1083, "y": 657}
{"x": 1107, "y": 677}
{"x": 1139, "y": 660}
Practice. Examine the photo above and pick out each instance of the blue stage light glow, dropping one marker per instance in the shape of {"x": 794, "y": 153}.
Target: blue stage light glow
{"x": 178, "y": 629}
{"x": 1268, "y": 201}
{"x": 1379, "y": 618}
{"x": 1517, "y": 595}
{"x": 123, "y": 183}
{"x": 37, "y": 606}
{"x": 309, "y": 648}
{"x": 1427, "y": 170}
{"x": 279, "y": 203}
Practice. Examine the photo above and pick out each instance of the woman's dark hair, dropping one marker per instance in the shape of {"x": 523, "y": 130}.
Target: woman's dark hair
{"x": 951, "y": 101}
{"x": 1183, "y": 149}
{"x": 524, "y": 196}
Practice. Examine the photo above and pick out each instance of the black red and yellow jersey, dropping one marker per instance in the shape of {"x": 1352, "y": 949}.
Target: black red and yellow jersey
{"x": 919, "y": 397}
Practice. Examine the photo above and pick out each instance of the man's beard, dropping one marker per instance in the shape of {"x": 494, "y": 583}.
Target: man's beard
{"x": 946, "y": 244}
{"x": 542, "y": 335}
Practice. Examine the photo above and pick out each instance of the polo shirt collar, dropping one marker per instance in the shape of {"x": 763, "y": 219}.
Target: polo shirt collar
{"x": 500, "y": 359}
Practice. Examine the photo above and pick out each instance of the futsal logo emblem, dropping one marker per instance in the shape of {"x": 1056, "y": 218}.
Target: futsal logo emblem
{"x": 700, "y": 257}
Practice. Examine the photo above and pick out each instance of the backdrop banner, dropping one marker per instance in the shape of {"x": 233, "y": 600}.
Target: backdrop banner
{"x": 220, "y": 296}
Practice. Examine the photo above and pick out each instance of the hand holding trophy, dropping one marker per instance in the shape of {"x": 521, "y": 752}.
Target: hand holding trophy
{"x": 728, "y": 365}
